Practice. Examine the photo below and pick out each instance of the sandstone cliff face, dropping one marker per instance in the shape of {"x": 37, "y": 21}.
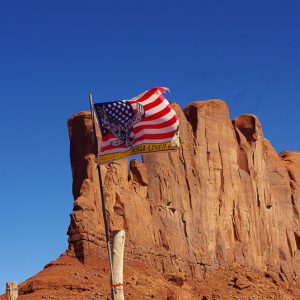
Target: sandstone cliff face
{"x": 225, "y": 197}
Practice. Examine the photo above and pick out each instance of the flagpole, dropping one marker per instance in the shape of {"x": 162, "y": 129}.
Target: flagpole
{"x": 102, "y": 201}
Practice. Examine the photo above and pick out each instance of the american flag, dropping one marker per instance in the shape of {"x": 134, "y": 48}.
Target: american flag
{"x": 146, "y": 123}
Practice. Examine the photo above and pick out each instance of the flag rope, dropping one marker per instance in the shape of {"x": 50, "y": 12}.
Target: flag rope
{"x": 108, "y": 245}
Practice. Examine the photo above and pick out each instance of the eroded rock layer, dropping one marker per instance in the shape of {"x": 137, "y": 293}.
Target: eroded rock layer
{"x": 224, "y": 197}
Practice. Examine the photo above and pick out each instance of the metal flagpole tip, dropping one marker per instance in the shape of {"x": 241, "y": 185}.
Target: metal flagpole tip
{"x": 91, "y": 97}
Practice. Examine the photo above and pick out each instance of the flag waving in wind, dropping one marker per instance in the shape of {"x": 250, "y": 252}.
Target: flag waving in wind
{"x": 146, "y": 123}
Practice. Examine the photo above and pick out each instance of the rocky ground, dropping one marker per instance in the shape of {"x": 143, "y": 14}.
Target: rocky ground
{"x": 67, "y": 278}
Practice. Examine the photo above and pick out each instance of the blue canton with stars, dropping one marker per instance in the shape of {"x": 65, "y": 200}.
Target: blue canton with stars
{"x": 116, "y": 113}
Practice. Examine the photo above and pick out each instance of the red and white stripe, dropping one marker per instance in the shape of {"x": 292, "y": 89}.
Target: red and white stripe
{"x": 158, "y": 126}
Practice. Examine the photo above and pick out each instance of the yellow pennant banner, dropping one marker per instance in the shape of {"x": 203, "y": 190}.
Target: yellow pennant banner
{"x": 143, "y": 148}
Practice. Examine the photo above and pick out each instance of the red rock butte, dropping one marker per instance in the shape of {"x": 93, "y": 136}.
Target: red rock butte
{"x": 218, "y": 219}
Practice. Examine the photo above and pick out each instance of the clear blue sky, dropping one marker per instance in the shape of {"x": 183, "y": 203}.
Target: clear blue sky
{"x": 53, "y": 53}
